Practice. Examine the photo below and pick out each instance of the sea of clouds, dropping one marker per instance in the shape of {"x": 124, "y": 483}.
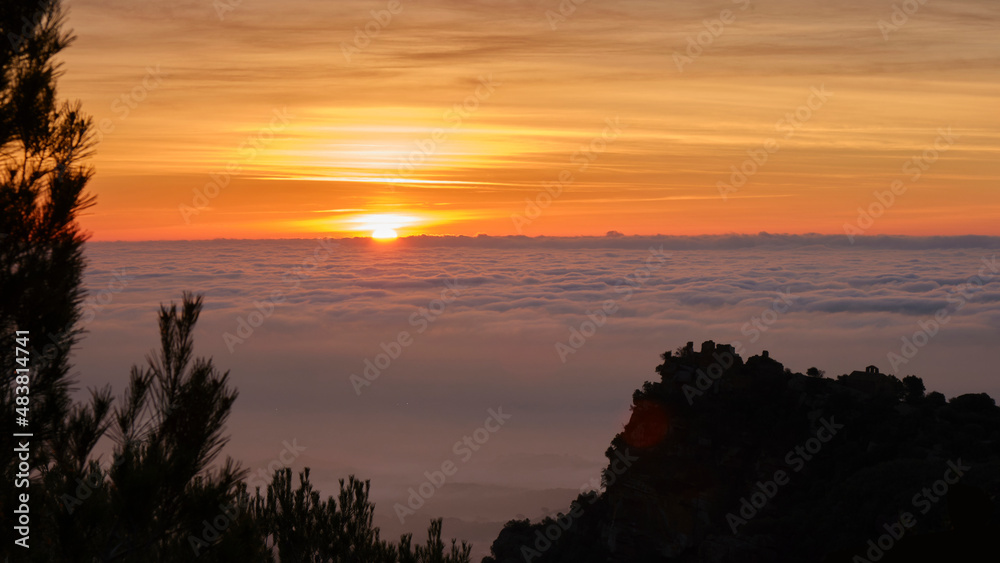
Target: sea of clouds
{"x": 553, "y": 334}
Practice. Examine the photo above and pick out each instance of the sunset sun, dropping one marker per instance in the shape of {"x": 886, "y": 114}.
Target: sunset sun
{"x": 382, "y": 226}
{"x": 384, "y": 233}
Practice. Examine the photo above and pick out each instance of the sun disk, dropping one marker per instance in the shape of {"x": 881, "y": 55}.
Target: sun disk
{"x": 384, "y": 233}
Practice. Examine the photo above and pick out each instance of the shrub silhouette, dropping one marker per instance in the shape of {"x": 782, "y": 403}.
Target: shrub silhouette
{"x": 728, "y": 434}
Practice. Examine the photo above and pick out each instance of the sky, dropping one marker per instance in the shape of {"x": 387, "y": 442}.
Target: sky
{"x": 555, "y": 333}
{"x": 257, "y": 119}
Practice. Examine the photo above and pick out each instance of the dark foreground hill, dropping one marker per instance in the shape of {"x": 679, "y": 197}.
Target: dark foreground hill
{"x": 732, "y": 461}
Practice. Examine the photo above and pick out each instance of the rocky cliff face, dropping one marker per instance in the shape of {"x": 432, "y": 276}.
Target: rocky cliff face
{"x": 726, "y": 460}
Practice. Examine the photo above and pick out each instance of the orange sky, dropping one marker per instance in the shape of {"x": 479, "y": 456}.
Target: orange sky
{"x": 490, "y": 104}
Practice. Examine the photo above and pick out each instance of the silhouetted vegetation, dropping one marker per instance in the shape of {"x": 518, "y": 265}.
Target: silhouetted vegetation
{"x": 42, "y": 181}
{"x": 160, "y": 499}
{"x": 705, "y": 445}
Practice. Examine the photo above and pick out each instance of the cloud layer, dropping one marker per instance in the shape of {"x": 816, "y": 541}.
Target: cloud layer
{"x": 483, "y": 317}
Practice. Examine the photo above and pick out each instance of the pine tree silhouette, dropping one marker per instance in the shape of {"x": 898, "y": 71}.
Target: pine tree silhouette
{"x": 42, "y": 181}
{"x": 168, "y": 429}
